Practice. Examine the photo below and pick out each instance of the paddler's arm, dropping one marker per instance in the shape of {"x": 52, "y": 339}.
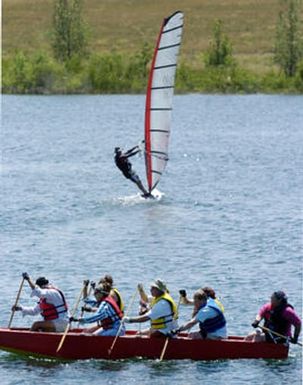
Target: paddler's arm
{"x": 85, "y": 287}
{"x": 188, "y": 325}
{"x": 28, "y": 279}
{"x": 297, "y": 332}
{"x": 142, "y": 318}
{"x": 142, "y": 293}
{"x": 256, "y": 322}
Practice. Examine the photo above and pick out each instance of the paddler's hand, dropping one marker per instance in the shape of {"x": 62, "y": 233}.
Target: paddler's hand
{"x": 182, "y": 293}
{"x": 16, "y": 308}
{"x": 73, "y": 319}
{"x": 126, "y": 320}
{"x": 255, "y": 324}
{"x": 87, "y": 309}
{"x": 86, "y": 282}
{"x": 25, "y": 276}
{"x": 294, "y": 340}
{"x": 93, "y": 285}
{"x": 140, "y": 287}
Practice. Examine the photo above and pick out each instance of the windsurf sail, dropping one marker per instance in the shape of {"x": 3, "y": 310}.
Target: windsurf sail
{"x": 159, "y": 96}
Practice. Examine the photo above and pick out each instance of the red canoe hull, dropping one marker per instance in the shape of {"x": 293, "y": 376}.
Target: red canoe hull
{"x": 78, "y": 346}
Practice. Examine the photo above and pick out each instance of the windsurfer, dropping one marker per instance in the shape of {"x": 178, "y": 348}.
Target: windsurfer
{"x": 124, "y": 165}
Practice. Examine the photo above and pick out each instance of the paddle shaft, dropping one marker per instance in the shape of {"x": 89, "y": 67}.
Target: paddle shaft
{"x": 276, "y": 334}
{"x": 121, "y": 324}
{"x": 88, "y": 294}
{"x": 167, "y": 338}
{"x": 16, "y": 302}
{"x": 68, "y": 325}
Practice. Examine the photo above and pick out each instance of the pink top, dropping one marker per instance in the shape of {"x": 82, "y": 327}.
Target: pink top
{"x": 289, "y": 314}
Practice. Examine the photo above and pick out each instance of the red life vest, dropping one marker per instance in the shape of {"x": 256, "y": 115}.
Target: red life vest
{"x": 49, "y": 311}
{"x": 107, "y": 323}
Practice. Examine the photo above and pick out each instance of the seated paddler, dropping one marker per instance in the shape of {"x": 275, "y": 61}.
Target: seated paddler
{"x": 209, "y": 316}
{"x": 162, "y": 313}
{"x": 52, "y": 306}
{"x": 114, "y": 292}
{"x": 107, "y": 316}
{"x": 209, "y": 291}
{"x": 278, "y": 317}
{"x": 92, "y": 304}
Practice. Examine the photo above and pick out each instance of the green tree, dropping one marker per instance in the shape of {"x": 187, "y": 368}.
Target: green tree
{"x": 219, "y": 52}
{"x": 69, "y": 35}
{"x": 288, "y": 46}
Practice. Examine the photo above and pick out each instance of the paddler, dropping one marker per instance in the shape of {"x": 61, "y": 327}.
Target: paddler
{"x": 124, "y": 165}
{"x": 92, "y": 304}
{"x": 209, "y": 316}
{"x": 108, "y": 314}
{"x": 209, "y": 291}
{"x": 162, "y": 314}
{"x": 280, "y": 317}
{"x": 52, "y": 306}
{"x": 114, "y": 292}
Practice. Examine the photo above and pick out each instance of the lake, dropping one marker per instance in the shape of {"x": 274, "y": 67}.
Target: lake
{"x": 230, "y": 218}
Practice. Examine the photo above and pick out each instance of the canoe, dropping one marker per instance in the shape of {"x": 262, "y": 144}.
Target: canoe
{"x": 80, "y": 346}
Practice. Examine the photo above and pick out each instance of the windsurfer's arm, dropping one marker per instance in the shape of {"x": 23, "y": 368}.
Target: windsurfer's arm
{"x": 133, "y": 151}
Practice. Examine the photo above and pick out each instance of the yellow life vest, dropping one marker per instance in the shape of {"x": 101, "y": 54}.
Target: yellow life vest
{"x": 160, "y": 323}
{"x": 120, "y": 301}
{"x": 219, "y": 304}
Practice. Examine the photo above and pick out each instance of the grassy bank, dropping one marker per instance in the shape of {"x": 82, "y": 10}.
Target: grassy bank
{"x": 119, "y": 30}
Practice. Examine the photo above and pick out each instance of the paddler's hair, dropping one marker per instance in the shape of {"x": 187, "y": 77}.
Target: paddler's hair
{"x": 210, "y": 292}
{"x": 200, "y": 295}
{"x": 107, "y": 279}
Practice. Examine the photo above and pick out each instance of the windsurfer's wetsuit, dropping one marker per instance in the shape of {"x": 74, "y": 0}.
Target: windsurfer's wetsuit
{"x": 124, "y": 165}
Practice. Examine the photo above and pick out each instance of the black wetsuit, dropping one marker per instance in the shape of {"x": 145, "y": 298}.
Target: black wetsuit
{"x": 124, "y": 165}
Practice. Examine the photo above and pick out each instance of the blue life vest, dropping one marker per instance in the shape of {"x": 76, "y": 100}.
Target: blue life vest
{"x": 210, "y": 325}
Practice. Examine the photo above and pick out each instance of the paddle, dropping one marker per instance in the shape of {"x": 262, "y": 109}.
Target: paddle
{"x": 265, "y": 329}
{"x": 121, "y": 324}
{"x": 92, "y": 287}
{"x": 69, "y": 323}
{"x": 16, "y": 302}
{"x": 167, "y": 338}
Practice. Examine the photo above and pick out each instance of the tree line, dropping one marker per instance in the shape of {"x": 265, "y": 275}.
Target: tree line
{"x": 72, "y": 69}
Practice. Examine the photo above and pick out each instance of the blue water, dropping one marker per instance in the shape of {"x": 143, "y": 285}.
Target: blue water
{"x": 230, "y": 217}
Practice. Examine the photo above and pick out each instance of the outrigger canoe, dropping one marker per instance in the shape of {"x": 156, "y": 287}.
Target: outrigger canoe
{"x": 80, "y": 346}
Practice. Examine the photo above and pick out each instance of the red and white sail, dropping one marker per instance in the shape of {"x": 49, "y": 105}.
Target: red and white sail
{"x": 160, "y": 91}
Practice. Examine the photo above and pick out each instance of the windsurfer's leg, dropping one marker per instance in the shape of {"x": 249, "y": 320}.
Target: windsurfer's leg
{"x": 134, "y": 178}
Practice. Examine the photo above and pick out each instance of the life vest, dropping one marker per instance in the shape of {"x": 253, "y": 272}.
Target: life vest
{"x": 219, "y": 303}
{"x": 116, "y": 315}
{"x": 160, "y": 323}
{"x": 210, "y": 325}
{"x": 120, "y": 301}
{"x": 49, "y": 311}
{"x": 274, "y": 320}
